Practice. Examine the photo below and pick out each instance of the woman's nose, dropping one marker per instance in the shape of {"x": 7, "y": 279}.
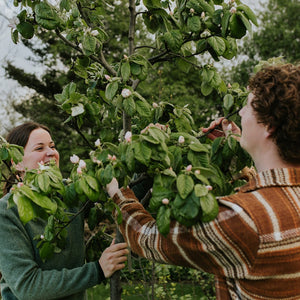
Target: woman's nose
{"x": 50, "y": 152}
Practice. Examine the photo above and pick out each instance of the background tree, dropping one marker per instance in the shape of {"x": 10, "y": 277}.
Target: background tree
{"x": 277, "y": 36}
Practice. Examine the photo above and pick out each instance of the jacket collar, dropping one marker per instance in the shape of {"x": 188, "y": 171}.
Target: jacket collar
{"x": 273, "y": 177}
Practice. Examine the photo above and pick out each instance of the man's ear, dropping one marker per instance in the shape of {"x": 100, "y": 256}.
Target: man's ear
{"x": 269, "y": 131}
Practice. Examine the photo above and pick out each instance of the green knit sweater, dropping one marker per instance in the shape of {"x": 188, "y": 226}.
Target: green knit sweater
{"x": 26, "y": 276}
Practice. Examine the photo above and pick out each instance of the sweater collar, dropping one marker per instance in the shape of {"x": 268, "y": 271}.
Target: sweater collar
{"x": 273, "y": 177}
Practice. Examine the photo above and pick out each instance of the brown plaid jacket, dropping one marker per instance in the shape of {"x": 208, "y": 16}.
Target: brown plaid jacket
{"x": 252, "y": 247}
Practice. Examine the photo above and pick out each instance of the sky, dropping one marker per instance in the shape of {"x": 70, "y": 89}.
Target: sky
{"x": 19, "y": 54}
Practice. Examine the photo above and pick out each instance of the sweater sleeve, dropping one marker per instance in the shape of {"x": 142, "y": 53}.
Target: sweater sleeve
{"x": 22, "y": 274}
{"x": 217, "y": 247}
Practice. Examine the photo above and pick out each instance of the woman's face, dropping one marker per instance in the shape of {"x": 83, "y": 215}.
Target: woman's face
{"x": 39, "y": 149}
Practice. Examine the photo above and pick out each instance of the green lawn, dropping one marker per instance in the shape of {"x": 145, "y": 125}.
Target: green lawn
{"x": 180, "y": 291}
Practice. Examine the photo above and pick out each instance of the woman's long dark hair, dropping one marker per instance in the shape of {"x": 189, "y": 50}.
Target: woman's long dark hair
{"x": 19, "y": 136}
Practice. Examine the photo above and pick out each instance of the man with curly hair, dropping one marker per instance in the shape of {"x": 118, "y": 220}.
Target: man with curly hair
{"x": 253, "y": 246}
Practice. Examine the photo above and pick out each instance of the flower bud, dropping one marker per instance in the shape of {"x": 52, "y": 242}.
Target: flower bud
{"x": 126, "y": 93}
{"x": 181, "y": 140}
{"x": 114, "y": 158}
{"x": 107, "y": 77}
{"x": 203, "y": 15}
{"x": 209, "y": 187}
{"x": 154, "y": 105}
{"x": 165, "y": 201}
{"x": 74, "y": 159}
{"x": 233, "y": 10}
{"x": 42, "y": 236}
{"x": 197, "y": 172}
{"x": 128, "y": 136}
{"x": 94, "y": 32}
{"x": 229, "y": 85}
{"x": 97, "y": 143}
{"x": 229, "y": 127}
{"x": 79, "y": 171}
{"x": 82, "y": 164}
{"x": 192, "y": 11}
{"x": 20, "y": 184}
{"x": 189, "y": 168}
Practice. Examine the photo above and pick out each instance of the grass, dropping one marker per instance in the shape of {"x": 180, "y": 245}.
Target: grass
{"x": 134, "y": 291}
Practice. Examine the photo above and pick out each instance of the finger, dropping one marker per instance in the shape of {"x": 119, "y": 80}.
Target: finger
{"x": 113, "y": 242}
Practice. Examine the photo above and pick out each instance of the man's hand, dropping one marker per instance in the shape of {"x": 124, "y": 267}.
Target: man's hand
{"x": 222, "y": 127}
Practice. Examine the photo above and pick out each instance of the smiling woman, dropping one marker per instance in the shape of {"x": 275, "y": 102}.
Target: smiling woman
{"x": 25, "y": 274}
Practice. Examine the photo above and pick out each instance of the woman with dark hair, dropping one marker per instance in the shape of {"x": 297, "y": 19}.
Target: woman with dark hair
{"x": 253, "y": 246}
{"x": 64, "y": 276}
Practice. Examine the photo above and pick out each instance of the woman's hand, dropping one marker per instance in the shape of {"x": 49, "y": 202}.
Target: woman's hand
{"x": 113, "y": 258}
{"x": 224, "y": 128}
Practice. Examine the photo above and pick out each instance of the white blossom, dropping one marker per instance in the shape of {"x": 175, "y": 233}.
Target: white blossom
{"x": 189, "y": 168}
{"x": 126, "y": 93}
{"x": 74, "y": 159}
{"x": 181, "y": 140}
{"x": 97, "y": 143}
{"x": 82, "y": 164}
{"x": 128, "y": 136}
{"x": 165, "y": 201}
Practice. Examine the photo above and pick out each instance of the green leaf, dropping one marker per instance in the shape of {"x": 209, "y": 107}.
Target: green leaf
{"x": 39, "y": 199}
{"x": 125, "y": 70}
{"x": 185, "y": 185}
{"x": 92, "y": 194}
{"x": 107, "y": 175}
{"x": 65, "y": 4}
{"x": 4, "y": 154}
{"x": 206, "y": 88}
{"x": 152, "y": 3}
{"x": 25, "y": 208}
{"x": 92, "y": 182}
{"x": 43, "y": 182}
{"x": 209, "y": 206}
{"x": 225, "y": 22}
{"x": 217, "y": 43}
{"x": 194, "y": 24}
{"x": 89, "y": 44}
{"x": 200, "y": 190}
{"x": 228, "y": 101}
{"x": 174, "y": 40}
{"x": 197, "y": 147}
{"x": 163, "y": 220}
{"x": 142, "y": 152}
{"x": 26, "y": 30}
{"x": 237, "y": 27}
{"x": 248, "y": 12}
{"x": 143, "y": 109}
{"x": 16, "y": 153}
{"x": 46, "y": 250}
{"x": 15, "y": 36}
{"x": 46, "y": 16}
{"x": 111, "y": 90}
{"x": 158, "y": 194}
{"x": 245, "y": 22}
{"x": 190, "y": 209}
{"x": 129, "y": 106}
{"x": 77, "y": 110}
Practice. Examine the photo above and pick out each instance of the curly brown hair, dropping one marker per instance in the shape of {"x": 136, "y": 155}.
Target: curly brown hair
{"x": 276, "y": 104}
